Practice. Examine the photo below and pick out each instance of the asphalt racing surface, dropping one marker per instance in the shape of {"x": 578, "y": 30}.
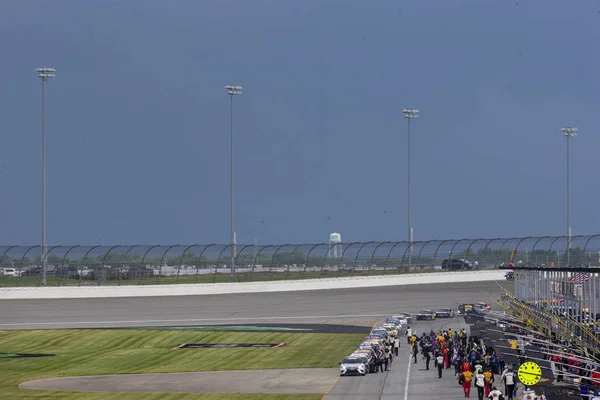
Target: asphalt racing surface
{"x": 357, "y": 306}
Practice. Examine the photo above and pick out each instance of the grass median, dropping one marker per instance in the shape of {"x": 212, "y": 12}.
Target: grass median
{"x": 101, "y": 352}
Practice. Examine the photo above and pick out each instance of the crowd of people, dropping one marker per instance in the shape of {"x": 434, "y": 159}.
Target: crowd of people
{"x": 471, "y": 361}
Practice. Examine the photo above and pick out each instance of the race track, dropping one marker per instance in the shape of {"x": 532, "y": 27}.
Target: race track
{"x": 358, "y": 306}
{"x": 363, "y": 306}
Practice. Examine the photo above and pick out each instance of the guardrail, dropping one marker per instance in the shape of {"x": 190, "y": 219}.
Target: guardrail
{"x": 72, "y": 292}
{"x": 211, "y": 263}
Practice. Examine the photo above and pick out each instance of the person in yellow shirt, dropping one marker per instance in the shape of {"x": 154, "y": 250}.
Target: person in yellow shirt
{"x": 449, "y": 332}
{"x": 467, "y": 377}
{"x": 489, "y": 379}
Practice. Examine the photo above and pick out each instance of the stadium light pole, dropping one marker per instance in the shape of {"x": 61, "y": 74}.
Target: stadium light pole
{"x": 232, "y": 91}
{"x": 569, "y": 132}
{"x": 45, "y": 74}
{"x": 409, "y": 114}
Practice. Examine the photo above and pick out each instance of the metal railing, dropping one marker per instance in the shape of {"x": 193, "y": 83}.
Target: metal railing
{"x": 154, "y": 264}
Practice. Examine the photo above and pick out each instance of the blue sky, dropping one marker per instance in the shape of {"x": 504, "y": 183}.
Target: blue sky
{"x": 138, "y": 120}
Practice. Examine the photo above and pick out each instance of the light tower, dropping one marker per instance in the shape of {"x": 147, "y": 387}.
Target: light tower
{"x": 232, "y": 91}
{"x": 409, "y": 114}
{"x": 569, "y": 132}
{"x": 45, "y": 74}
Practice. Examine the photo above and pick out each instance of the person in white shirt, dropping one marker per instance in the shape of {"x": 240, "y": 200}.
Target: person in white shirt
{"x": 504, "y": 371}
{"x": 479, "y": 382}
{"x": 495, "y": 394}
{"x": 509, "y": 381}
{"x": 440, "y": 364}
{"x": 529, "y": 394}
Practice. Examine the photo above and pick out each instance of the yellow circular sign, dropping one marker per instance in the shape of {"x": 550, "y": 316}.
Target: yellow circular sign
{"x": 529, "y": 373}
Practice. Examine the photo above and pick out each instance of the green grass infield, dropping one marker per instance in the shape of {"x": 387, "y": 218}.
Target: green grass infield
{"x": 100, "y": 352}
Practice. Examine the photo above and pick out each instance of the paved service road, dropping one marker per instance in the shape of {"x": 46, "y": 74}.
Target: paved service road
{"x": 357, "y": 306}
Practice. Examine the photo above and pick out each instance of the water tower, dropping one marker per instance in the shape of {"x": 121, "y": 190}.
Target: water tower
{"x": 335, "y": 245}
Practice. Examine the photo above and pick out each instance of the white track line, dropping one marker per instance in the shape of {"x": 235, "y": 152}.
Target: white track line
{"x": 407, "y": 379}
{"x": 236, "y": 319}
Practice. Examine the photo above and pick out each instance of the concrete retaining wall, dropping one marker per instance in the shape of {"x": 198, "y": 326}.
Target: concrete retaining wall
{"x": 73, "y": 292}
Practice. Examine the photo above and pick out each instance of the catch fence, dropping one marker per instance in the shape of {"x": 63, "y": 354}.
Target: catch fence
{"x": 158, "y": 264}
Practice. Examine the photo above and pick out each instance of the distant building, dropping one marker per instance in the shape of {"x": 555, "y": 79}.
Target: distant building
{"x": 335, "y": 245}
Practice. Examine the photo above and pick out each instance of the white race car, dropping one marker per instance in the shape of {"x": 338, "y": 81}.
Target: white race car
{"x": 354, "y": 365}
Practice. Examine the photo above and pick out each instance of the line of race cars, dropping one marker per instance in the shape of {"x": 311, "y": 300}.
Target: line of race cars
{"x": 370, "y": 354}
{"x": 429, "y": 315}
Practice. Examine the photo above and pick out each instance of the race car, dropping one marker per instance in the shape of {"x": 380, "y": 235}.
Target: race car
{"x": 354, "y": 365}
{"x": 445, "y": 313}
{"x": 464, "y": 309}
{"x": 401, "y": 321}
{"x": 485, "y": 306}
{"x": 393, "y": 329}
{"x": 406, "y": 316}
{"x": 382, "y": 332}
{"x": 426, "y": 315}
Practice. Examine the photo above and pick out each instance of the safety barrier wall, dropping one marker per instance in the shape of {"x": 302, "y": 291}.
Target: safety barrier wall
{"x": 65, "y": 292}
{"x": 211, "y": 263}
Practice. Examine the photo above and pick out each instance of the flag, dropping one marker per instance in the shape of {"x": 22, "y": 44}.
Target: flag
{"x": 580, "y": 277}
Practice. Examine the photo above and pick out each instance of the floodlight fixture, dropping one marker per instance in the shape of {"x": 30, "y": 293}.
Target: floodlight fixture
{"x": 569, "y": 131}
{"x": 411, "y": 113}
{"x": 45, "y": 73}
{"x": 233, "y": 90}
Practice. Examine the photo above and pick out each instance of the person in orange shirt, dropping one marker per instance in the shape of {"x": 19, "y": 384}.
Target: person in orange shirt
{"x": 467, "y": 377}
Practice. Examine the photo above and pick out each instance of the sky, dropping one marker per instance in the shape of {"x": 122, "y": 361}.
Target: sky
{"x": 137, "y": 119}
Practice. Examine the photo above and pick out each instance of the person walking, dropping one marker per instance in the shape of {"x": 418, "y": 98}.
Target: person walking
{"x": 446, "y": 357}
{"x": 386, "y": 360}
{"x": 379, "y": 363}
{"x": 427, "y": 358}
{"x": 396, "y": 346}
{"x": 467, "y": 376}
{"x": 408, "y": 334}
{"x": 504, "y": 371}
{"x": 480, "y": 383}
{"x": 440, "y": 364}
{"x": 489, "y": 379}
{"x": 509, "y": 381}
{"x": 415, "y": 352}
